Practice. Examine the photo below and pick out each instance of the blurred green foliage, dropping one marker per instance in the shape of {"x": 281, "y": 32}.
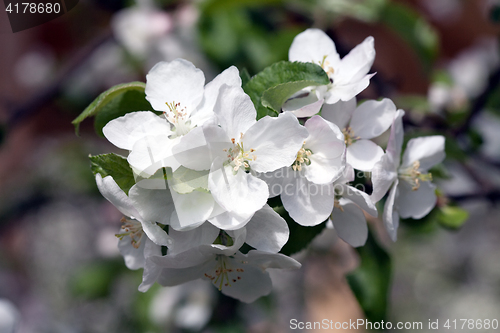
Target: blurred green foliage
{"x": 371, "y": 281}
{"x": 247, "y": 34}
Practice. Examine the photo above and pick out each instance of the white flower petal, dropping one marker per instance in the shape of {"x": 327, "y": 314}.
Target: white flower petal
{"x": 249, "y": 279}
{"x": 339, "y": 113}
{"x": 241, "y": 193}
{"x": 390, "y": 215}
{"x": 307, "y": 203}
{"x": 415, "y": 204}
{"x": 350, "y": 223}
{"x": 372, "y": 118}
{"x": 156, "y": 234}
{"x": 151, "y": 153}
{"x": 124, "y": 131}
{"x": 134, "y": 257}
{"x": 267, "y": 230}
{"x": 313, "y": 45}
{"x": 189, "y": 215}
{"x": 384, "y": 173}
{"x": 267, "y": 260}
{"x": 324, "y": 137}
{"x": 428, "y": 150}
{"x": 151, "y": 270}
{"x": 185, "y": 240}
{"x": 252, "y": 284}
{"x": 172, "y": 277}
{"x": 230, "y": 220}
{"x": 114, "y": 194}
{"x": 230, "y": 77}
{"x": 346, "y": 176}
{"x": 197, "y": 149}
{"x": 235, "y": 111}
{"x": 274, "y": 180}
{"x": 360, "y": 198}
{"x": 355, "y": 65}
{"x": 178, "y": 81}
{"x": 276, "y": 141}
{"x": 328, "y": 151}
{"x": 304, "y": 103}
{"x": 193, "y": 257}
{"x": 363, "y": 154}
{"x": 152, "y": 205}
{"x": 395, "y": 143}
{"x": 324, "y": 170}
{"x": 345, "y": 92}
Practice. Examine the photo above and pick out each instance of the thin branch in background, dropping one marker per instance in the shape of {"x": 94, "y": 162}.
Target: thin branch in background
{"x": 53, "y": 90}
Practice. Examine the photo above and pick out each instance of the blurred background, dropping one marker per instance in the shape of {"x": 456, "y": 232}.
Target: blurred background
{"x": 60, "y": 270}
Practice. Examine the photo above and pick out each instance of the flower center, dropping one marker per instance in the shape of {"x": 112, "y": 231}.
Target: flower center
{"x": 178, "y": 117}
{"x": 414, "y": 176}
{"x": 133, "y": 229}
{"x": 238, "y": 157}
{"x": 302, "y": 158}
{"x": 325, "y": 64}
{"x": 223, "y": 273}
{"x": 349, "y": 137}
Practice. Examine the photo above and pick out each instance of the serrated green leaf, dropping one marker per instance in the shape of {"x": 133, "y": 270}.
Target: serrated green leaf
{"x": 452, "y": 217}
{"x": 300, "y": 237}
{"x": 184, "y": 180}
{"x": 274, "y": 97}
{"x": 127, "y": 103}
{"x": 371, "y": 280}
{"x": 115, "y": 166}
{"x": 279, "y": 74}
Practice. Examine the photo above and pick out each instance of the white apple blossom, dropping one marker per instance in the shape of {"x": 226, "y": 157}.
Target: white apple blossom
{"x": 411, "y": 195}
{"x": 177, "y": 89}
{"x": 360, "y": 124}
{"x": 305, "y": 186}
{"x": 242, "y": 276}
{"x": 142, "y": 208}
{"x": 237, "y": 149}
{"x": 348, "y": 76}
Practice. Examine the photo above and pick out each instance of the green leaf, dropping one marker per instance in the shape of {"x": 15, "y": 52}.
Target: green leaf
{"x": 115, "y": 166}
{"x": 184, "y": 180}
{"x": 414, "y": 29}
{"x": 274, "y": 97}
{"x": 371, "y": 280}
{"x": 298, "y": 74}
{"x": 114, "y": 103}
{"x": 300, "y": 237}
{"x": 452, "y": 217}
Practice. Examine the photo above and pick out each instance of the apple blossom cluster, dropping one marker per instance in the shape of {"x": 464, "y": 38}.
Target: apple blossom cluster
{"x": 207, "y": 168}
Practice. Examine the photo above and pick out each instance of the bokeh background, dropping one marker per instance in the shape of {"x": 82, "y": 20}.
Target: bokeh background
{"x": 60, "y": 270}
